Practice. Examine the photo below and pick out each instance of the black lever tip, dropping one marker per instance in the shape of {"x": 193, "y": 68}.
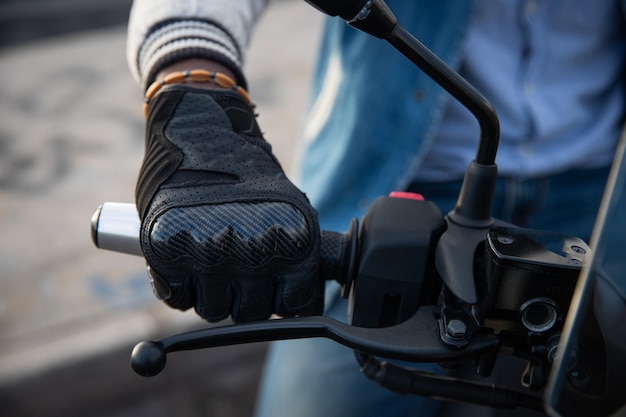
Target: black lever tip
{"x": 148, "y": 358}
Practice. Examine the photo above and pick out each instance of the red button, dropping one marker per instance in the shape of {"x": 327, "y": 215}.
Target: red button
{"x": 407, "y": 195}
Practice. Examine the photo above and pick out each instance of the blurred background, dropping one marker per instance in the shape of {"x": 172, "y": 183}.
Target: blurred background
{"x": 71, "y": 137}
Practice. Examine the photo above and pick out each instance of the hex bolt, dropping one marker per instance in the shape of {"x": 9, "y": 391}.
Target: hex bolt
{"x": 456, "y": 329}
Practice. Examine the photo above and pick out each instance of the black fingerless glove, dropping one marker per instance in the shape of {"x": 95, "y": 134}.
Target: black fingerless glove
{"x": 222, "y": 228}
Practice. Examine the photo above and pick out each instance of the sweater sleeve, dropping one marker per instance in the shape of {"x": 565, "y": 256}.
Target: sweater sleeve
{"x": 161, "y": 32}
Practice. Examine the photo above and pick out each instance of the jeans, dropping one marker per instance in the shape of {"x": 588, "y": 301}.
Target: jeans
{"x": 319, "y": 378}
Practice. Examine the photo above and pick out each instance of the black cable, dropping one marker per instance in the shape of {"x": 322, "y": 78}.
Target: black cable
{"x": 411, "y": 381}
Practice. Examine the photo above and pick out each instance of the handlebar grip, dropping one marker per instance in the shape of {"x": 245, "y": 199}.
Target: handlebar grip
{"x": 338, "y": 255}
{"x": 331, "y": 255}
{"x": 115, "y": 227}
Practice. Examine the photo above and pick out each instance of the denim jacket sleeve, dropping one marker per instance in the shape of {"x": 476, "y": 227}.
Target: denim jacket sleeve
{"x": 163, "y": 31}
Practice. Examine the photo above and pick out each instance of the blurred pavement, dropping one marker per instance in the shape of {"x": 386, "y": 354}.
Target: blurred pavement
{"x": 71, "y": 137}
{"x": 24, "y": 21}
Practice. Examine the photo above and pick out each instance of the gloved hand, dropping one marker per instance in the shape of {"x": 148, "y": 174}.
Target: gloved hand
{"x": 222, "y": 228}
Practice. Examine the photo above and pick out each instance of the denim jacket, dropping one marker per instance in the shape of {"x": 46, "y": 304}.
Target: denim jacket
{"x": 374, "y": 146}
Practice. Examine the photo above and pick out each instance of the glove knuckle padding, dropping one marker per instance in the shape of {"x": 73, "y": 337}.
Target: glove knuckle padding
{"x": 265, "y": 233}
{"x": 219, "y": 215}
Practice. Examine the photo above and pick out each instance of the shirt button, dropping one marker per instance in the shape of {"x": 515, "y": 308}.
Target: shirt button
{"x": 529, "y": 87}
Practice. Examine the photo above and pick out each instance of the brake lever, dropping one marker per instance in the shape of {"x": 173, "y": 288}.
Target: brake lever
{"x": 414, "y": 340}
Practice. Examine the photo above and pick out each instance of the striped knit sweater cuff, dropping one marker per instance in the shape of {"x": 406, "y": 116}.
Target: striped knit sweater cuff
{"x": 183, "y": 39}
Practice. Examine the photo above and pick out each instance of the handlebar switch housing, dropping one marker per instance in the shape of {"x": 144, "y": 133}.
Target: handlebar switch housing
{"x": 396, "y": 271}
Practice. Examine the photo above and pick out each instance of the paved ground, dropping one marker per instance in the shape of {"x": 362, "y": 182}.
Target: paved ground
{"x": 71, "y": 136}
{"x": 24, "y": 21}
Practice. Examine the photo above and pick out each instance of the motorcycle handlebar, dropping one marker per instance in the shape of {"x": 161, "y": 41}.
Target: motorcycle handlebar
{"x": 116, "y": 226}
